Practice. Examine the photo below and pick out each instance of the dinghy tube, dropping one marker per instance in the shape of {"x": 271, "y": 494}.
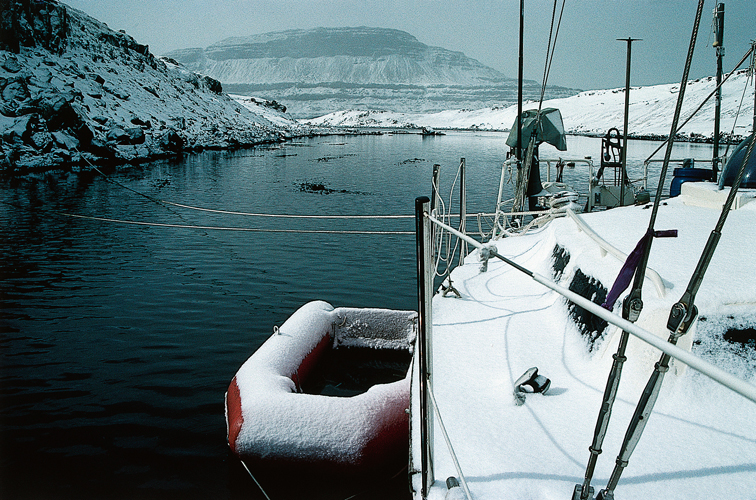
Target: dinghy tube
{"x": 270, "y": 422}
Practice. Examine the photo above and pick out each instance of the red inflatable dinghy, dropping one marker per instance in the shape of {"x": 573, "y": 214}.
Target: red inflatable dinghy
{"x": 271, "y": 422}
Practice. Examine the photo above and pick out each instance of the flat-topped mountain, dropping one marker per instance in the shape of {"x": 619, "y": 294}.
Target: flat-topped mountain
{"x": 322, "y": 70}
{"x": 350, "y": 55}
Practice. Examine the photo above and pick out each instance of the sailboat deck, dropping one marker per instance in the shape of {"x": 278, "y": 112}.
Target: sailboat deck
{"x": 698, "y": 443}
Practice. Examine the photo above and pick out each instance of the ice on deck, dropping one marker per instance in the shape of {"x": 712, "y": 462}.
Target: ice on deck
{"x": 699, "y": 442}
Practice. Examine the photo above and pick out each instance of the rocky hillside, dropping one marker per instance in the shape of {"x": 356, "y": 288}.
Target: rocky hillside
{"x": 328, "y": 69}
{"x": 74, "y": 93}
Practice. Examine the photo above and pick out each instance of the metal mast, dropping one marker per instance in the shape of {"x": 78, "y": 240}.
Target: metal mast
{"x": 719, "y": 45}
{"x": 520, "y": 77}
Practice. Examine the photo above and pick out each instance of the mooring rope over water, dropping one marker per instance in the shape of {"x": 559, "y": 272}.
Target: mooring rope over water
{"x": 211, "y": 228}
{"x": 221, "y": 228}
{"x": 165, "y": 203}
{"x": 285, "y": 216}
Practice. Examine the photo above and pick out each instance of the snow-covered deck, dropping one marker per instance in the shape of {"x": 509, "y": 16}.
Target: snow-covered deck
{"x": 700, "y": 441}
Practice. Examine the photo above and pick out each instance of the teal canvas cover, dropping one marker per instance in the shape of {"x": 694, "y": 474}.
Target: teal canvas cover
{"x": 548, "y": 129}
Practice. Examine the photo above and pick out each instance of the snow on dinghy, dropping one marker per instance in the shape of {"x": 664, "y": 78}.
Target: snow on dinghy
{"x": 271, "y": 422}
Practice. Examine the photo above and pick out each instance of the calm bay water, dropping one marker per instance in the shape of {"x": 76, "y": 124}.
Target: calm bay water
{"x": 117, "y": 341}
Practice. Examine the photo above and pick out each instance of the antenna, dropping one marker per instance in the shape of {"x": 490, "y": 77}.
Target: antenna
{"x": 629, "y": 41}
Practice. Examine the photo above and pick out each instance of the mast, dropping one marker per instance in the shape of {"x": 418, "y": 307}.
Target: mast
{"x": 719, "y": 45}
{"x": 518, "y": 151}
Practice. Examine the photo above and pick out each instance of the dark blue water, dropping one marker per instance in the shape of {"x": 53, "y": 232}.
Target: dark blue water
{"x": 118, "y": 341}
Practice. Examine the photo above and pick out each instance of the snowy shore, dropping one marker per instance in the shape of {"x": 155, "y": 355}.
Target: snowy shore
{"x": 591, "y": 112}
{"x": 74, "y": 93}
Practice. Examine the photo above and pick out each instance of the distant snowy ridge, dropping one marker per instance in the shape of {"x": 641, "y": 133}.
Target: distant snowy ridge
{"x": 389, "y": 70}
{"x": 352, "y": 55}
{"x": 74, "y": 92}
{"x": 322, "y": 70}
{"x": 591, "y": 112}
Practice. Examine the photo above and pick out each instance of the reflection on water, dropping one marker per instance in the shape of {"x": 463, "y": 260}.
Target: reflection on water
{"x": 119, "y": 340}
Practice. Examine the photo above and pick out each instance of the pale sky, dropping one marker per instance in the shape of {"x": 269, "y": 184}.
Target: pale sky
{"x": 587, "y": 55}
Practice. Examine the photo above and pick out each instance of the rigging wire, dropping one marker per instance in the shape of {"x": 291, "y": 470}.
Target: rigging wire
{"x": 524, "y": 172}
{"x": 632, "y": 306}
{"x": 737, "y": 113}
{"x": 550, "y": 49}
{"x": 676, "y": 130}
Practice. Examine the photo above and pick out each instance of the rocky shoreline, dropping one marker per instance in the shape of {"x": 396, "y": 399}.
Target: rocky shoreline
{"x": 74, "y": 93}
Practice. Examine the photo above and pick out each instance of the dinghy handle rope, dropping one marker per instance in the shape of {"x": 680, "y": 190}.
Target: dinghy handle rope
{"x": 254, "y": 479}
{"x": 730, "y": 381}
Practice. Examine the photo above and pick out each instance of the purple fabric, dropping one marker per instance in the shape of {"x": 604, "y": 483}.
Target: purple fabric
{"x": 667, "y": 233}
{"x": 625, "y": 275}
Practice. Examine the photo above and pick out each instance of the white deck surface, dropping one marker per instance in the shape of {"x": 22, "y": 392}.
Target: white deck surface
{"x": 700, "y": 441}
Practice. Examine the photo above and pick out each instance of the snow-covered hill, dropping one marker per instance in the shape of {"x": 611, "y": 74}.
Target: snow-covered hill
{"x": 327, "y": 69}
{"x": 350, "y": 55}
{"x": 591, "y": 112}
{"x": 74, "y": 92}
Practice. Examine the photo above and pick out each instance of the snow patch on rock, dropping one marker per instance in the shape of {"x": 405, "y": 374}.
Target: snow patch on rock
{"x": 75, "y": 93}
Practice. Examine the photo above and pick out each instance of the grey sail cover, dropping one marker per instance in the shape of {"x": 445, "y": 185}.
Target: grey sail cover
{"x": 549, "y": 129}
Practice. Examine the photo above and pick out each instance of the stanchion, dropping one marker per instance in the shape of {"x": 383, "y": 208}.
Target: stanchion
{"x": 425, "y": 355}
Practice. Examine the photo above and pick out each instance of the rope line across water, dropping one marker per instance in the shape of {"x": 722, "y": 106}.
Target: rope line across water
{"x": 220, "y": 228}
{"x": 288, "y": 216}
